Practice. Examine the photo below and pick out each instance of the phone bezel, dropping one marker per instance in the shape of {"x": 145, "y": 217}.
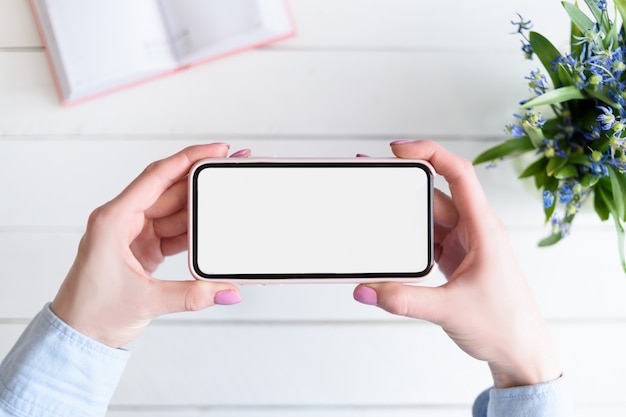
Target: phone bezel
{"x": 279, "y": 278}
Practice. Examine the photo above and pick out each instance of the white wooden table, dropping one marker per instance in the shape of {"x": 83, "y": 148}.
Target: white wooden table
{"x": 359, "y": 74}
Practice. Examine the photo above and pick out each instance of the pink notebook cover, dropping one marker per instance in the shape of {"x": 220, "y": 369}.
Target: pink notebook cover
{"x": 120, "y": 87}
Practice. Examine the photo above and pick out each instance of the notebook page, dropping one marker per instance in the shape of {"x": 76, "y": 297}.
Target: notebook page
{"x": 201, "y": 28}
{"x": 105, "y": 44}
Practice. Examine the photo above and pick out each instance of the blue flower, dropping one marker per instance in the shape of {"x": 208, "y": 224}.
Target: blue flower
{"x": 607, "y": 118}
{"x": 591, "y": 41}
{"x": 566, "y": 193}
{"x": 618, "y": 98}
{"x": 528, "y": 50}
{"x": 522, "y": 25}
{"x": 599, "y": 169}
{"x": 594, "y": 134}
{"x": 516, "y": 131}
{"x": 537, "y": 82}
{"x": 598, "y": 166}
{"x": 560, "y": 227}
{"x": 548, "y": 199}
{"x": 601, "y": 5}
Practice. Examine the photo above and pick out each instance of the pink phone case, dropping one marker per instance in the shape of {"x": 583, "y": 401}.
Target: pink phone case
{"x": 246, "y": 242}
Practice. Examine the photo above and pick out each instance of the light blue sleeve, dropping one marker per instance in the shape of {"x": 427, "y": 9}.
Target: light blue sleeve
{"x": 550, "y": 399}
{"x": 55, "y": 371}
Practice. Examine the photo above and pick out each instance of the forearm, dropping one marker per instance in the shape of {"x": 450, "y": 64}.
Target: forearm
{"x": 53, "y": 370}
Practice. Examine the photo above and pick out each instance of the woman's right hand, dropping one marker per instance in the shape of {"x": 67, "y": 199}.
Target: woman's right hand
{"x": 486, "y": 306}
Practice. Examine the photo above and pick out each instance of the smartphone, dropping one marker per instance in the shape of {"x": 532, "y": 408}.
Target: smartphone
{"x": 310, "y": 220}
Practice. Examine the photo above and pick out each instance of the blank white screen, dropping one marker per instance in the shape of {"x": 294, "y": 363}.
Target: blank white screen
{"x": 299, "y": 220}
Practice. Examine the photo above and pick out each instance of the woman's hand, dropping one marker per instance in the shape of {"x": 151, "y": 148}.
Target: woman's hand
{"x": 109, "y": 293}
{"x": 486, "y": 306}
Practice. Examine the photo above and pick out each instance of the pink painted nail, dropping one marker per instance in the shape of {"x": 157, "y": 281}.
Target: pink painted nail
{"x": 241, "y": 152}
{"x": 401, "y": 142}
{"x": 227, "y": 297}
{"x": 366, "y": 295}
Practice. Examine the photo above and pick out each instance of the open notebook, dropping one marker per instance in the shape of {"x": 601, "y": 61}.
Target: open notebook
{"x": 99, "y": 46}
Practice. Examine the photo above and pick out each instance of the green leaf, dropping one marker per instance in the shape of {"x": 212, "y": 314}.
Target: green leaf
{"x": 547, "y": 54}
{"x": 575, "y": 47}
{"x": 534, "y": 133}
{"x": 619, "y": 228}
{"x": 551, "y": 184}
{"x": 540, "y": 179}
{"x": 534, "y": 168}
{"x": 589, "y": 180}
{"x": 618, "y": 187}
{"x": 597, "y": 13}
{"x": 611, "y": 36}
{"x": 603, "y": 96}
{"x": 599, "y": 205}
{"x": 510, "y": 147}
{"x": 564, "y": 76}
{"x": 616, "y": 190}
{"x": 578, "y": 18}
{"x": 555, "y": 96}
{"x": 567, "y": 171}
{"x": 579, "y": 159}
{"x": 621, "y": 7}
{"x": 555, "y": 164}
{"x": 550, "y": 240}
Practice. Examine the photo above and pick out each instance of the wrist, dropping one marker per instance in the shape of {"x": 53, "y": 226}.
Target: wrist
{"x": 524, "y": 370}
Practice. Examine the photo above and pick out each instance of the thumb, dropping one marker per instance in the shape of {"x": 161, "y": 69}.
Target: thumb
{"x": 424, "y": 303}
{"x": 179, "y": 296}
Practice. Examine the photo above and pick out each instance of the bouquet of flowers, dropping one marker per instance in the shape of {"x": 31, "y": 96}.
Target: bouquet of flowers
{"x": 579, "y": 139}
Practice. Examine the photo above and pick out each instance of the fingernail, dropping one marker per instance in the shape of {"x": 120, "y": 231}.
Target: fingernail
{"x": 401, "y": 142}
{"x": 366, "y": 295}
{"x": 221, "y": 143}
{"x": 362, "y": 155}
{"x": 227, "y": 298}
{"x": 241, "y": 152}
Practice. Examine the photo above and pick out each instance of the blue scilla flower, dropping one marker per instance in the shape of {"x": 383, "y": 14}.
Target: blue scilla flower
{"x": 619, "y": 99}
{"x": 607, "y": 118}
{"x": 601, "y": 5}
{"x": 522, "y": 25}
{"x": 537, "y": 82}
{"x": 516, "y": 131}
{"x": 591, "y": 41}
{"x": 576, "y": 67}
{"x": 594, "y": 134}
{"x": 560, "y": 227}
{"x": 528, "y": 50}
{"x": 599, "y": 75}
{"x": 618, "y": 163}
{"x": 598, "y": 165}
{"x": 535, "y": 119}
{"x": 548, "y": 199}
{"x": 566, "y": 193}
{"x": 600, "y": 169}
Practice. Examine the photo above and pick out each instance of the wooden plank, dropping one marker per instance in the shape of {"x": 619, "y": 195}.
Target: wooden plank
{"x": 33, "y": 264}
{"x": 300, "y": 411}
{"x": 81, "y": 173}
{"x": 582, "y": 411}
{"x": 405, "y": 24}
{"x": 313, "y": 93}
{"x": 371, "y": 24}
{"x": 341, "y": 366}
{"x": 420, "y": 356}
{"x": 86, "y": 172}
{"x": 17, "y": 26}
